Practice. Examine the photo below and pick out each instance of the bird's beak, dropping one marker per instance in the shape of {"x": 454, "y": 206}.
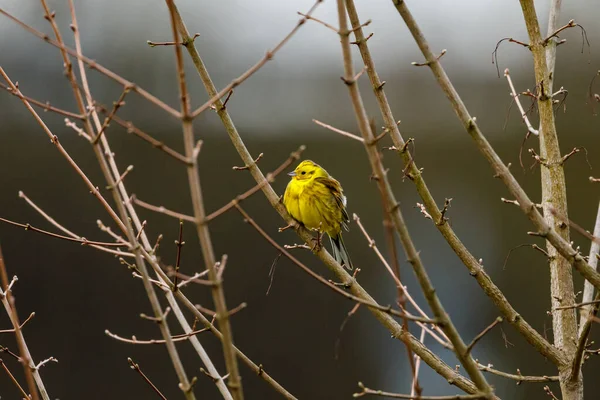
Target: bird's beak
{"x": 293, "y": 173}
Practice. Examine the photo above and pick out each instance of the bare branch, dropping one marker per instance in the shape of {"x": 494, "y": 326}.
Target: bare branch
{"x": 136, "y": 368}
{"x": 483, "y": 333}
{"x": 366, "y": 391}
{"x": 518, "y": 377}
{"x": 268, "y": 57}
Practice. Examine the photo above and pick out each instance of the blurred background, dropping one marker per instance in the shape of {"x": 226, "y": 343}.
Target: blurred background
{"x": 78, "y": 292}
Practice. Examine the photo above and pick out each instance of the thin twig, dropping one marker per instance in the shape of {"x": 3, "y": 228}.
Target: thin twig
{"x": 366, "y": 392}
{"x": 517, "y": 377}
{"x": 136, "y": 368}
{"x": 14, "y": 380}
{"x": 483, "y": 333}
{"x": 270, "y": 178}
{"x": 386, "y": 309}
{"x": 582, "y": 342}
{"x": 45, "y": 105}
{"x": 93, "y": 65}
{"x": 515, "y": 97}
{"x": 234, "y": 382}
{"x": 25, "y": 361}
{"x": 25, "y": 354}
{"x": 175, "y": 338}
{"x": 83, "y": 241}
{"x": 162, "y": 210}
{"x": 134, "y": 130}
{"x": 341, "y": 132}
{"x": 399, "y": 284}
{"x": 268, "y": 57}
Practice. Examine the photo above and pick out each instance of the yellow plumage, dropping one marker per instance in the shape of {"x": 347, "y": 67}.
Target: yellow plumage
{"x": 316, "y": 200}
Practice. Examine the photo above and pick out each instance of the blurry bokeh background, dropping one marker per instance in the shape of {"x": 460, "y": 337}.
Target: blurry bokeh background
{"x": 78, "y": 292}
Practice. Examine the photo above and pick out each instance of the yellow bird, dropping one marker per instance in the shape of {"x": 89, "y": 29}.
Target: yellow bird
{"x": 316, "y": 200}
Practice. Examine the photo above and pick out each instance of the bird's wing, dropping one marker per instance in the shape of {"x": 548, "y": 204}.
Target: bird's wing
{"x": 336, "y": 191}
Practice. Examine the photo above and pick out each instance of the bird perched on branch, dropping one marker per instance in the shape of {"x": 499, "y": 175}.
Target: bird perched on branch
{"x": 316, "y": 200}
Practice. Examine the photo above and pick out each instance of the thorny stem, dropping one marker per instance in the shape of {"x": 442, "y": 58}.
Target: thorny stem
{"x": 396, "y": 329}
{"x": 393, "y": 208}
{"x": 414, "y": 173}
{"x": 234, "y": 382}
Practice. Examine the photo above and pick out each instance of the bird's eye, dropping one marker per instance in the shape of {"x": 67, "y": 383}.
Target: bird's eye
{"x": 303, "y": 172}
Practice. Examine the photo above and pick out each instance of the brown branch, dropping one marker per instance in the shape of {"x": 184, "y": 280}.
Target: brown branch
{"x": 582, "y": 342}
{"x": 518, "y": 377}
{"x": 483, "y": 333}
{"x": 129, "y": 218}
{"x": 247, "y": 167}
{"x": 399, "y": 285}
{"x": 179, "y": 243}
{"x": 23, "y": 351}
{"x": 366, "y": 392}
{"x": 282, "y": 250}
{"x": 564, "y": 324}
{"x": 132, "y": 129}
{"x": 93, "y": 65}
{"x": 116, "y": 105}
{"x": 83, "y": 241}
{"x": 392, "y": 206}
{"x": 45, "y": 105}
{"x": 161, "y": 210}
{"x": 270, "y": 178}
{"x": 502, "y": 172}
{"x": 25, "y": 358}
{"x": 234, "y": 382}
{"x": 577, "y": 305}
{"x": 175, "y": 338}
{"x": 117, "y": 238}
{"x": 341, "y": 132}
{"x": 22, "y": 324}
{"x": 136, "y": 368}
{"x": 54, "y": 139}
{"x": 396, "y": 330}
{"x": 268, "y": 57}
{"x": 154, "y": 44}
{"x": 415, "y": 175}
{"x": 515, "y": 97}
{"x": 14, "y": 380}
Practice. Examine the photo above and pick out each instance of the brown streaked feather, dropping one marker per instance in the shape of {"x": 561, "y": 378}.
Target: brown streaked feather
{"x": 336, "y": 191}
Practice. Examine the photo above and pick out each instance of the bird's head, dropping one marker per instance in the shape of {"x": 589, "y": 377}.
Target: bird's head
{"x": 308, "y": 170}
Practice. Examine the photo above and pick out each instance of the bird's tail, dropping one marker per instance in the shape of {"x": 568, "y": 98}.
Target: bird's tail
{"x": 339, "y": 251}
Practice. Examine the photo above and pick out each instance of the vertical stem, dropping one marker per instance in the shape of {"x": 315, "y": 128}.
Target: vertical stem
{"x": 588, "y": 289}
{"x": 392, "y": 207}
{"x": 23, "y": 351}
{"x": 554, "y": 199}
{"x": 414, "y": 174}
{"x": 234, "y": 380}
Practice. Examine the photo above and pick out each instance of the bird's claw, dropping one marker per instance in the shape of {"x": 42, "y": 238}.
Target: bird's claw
{"x": 317, "y": 243}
